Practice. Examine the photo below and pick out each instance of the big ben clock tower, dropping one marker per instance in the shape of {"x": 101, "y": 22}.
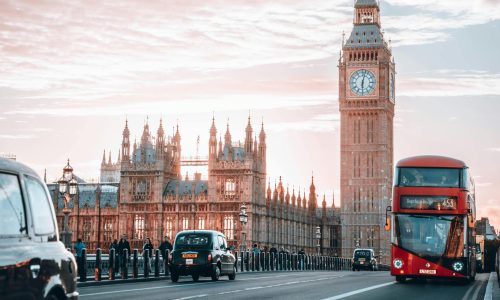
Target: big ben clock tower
{"x": 366, "y": 101}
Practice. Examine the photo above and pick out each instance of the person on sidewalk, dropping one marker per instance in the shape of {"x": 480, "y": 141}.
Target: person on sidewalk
{"x": 164, "y": 246}
{"x": 79, "y": 246}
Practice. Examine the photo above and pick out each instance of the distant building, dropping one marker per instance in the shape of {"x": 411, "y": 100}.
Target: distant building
{"x": 483, "y": 227}
{"x": 110, "y": 172}
{"x": 144, "y": 195}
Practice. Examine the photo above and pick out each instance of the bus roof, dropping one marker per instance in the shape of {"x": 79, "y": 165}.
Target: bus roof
{"x": 431, "y": 161}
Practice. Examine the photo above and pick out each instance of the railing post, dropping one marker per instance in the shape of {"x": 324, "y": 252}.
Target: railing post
{"x": 135, "y": 265}
{"x": 242, "y": 261}
{"x": 98, "y": 262}
{"x": 167, "y": 255}
{"x": 125, "y": 264}
{"x": 288, "y": 261}
{"x": 236, "y": 260}
{"x": 145, "y": 260}
{"x": 83, "y": 271}
{"x": 247, "y": 261}
{"x": 252, "y": 255}
{"x": 157, "y": 263}
{"x": 258, "y": 258}
{"x": 271, "y": 260}
{"x": 111, "y": 267}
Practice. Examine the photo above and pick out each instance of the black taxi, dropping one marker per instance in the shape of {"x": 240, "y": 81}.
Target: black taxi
{"x": 201, "y": 253}
{"x": 364, "y": 259}
{"x": 34, "y": 264}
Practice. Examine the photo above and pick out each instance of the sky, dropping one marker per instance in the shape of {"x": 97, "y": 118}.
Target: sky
{"x": 72, "y": 72}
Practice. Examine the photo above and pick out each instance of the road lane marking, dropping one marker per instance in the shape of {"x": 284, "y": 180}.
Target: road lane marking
{"x": 345, "y": 295}
{"x": 477, "y": 286}
{"x": 254, "y": 288}
{"x": 230, "y": 292}
{"x": 192, "y": 297}
{"x": 488, "y": 295}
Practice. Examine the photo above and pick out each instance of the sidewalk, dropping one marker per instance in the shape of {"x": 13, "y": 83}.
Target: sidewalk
{"x": 492, "y": 288}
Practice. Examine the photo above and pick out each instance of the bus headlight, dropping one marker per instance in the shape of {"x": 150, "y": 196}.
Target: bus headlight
{"x": 397, "y": 263}
{"x": 458, "y": 266}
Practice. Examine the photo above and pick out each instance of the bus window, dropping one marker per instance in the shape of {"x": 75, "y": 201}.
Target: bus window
{"x": 429, "y": 177}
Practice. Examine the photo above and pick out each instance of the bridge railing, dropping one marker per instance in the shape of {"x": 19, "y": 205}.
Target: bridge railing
{"x": 113, "y": 266}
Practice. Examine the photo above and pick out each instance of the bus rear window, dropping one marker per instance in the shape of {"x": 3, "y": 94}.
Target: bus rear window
{"x": 429, "y": 177}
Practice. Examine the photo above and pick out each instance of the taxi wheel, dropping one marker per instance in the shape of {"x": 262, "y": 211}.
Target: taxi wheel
{"x": 216, "y": 273}
{"x": 52, "y": 297}
{"x": 196, "y": 277}
{"x": 174, "y": 276}
{"x": 232, "y": 276}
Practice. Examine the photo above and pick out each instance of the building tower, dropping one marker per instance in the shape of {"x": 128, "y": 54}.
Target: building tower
{"x": 366, "y": 98}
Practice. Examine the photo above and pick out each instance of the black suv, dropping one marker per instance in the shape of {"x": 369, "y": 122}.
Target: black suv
{"x": 201, "y": 253}
{"x": 33, "y": 263}
{"x": 364, "y": 259}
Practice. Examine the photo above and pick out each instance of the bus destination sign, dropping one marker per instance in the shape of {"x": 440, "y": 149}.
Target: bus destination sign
{"x": 428, "y": 202}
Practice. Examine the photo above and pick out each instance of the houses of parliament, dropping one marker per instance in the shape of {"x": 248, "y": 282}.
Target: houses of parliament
{"x": 143, "y": 194}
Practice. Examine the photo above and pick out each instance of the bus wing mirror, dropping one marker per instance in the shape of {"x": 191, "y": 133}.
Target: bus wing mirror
{"x": 388, "y": 218}
{"x": 471, "y": 221}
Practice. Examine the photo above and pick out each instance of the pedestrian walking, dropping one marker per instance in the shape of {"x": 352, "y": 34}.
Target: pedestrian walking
{"x": 164, "y": 246}
{"x": 122, "y": 245}
{"x": 79, "y": 246}
{"x": 147, "y": 246}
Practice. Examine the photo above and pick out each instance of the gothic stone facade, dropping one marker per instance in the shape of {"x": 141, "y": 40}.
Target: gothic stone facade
{"x": 366, "y": 97}
{"x": 153, "y": 200}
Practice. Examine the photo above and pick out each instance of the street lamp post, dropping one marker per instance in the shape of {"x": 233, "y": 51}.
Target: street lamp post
{"x": 243, "y": 221}
{"x": 68, "y": 187}
{"x": 318, "y": 237}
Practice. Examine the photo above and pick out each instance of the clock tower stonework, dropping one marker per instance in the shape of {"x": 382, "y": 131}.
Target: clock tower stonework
{"x": 366, "y": 101}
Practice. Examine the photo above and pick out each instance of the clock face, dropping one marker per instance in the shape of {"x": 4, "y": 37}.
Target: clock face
{"x": 362, "y": 82}
{"x": 392, "y": 87}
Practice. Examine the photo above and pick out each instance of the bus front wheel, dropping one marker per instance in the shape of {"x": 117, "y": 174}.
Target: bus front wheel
{"x": 400, "y": 279}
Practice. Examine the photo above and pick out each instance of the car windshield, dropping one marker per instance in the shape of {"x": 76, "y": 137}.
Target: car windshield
{"x": 362, "y": 254}
{"x": 431, "y": 177}
{"x": 192, "y": 240}
{"x": 430, "y": 236}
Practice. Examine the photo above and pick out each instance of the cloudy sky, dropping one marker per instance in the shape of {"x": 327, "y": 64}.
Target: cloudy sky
{"x": 70, "y": 72}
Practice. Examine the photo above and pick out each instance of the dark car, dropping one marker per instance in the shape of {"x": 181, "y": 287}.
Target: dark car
{"x": 201, "y": 253}
{"x": 364, "y": 259}
{"x": 34, "y": 264}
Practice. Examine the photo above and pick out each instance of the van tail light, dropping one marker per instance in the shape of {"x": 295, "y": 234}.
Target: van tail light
{"x": 209, "y": 259}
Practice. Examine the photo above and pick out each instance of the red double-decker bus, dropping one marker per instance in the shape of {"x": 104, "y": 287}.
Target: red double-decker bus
{"x": 433, "y": 217}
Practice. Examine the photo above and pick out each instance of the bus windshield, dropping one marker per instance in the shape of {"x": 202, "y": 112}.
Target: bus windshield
{"x": 430, "y": 235}
{"x": 430, "y": 177}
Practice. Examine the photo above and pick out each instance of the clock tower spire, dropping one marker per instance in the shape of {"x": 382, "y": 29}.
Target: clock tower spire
{"x": 366, "y": 103}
